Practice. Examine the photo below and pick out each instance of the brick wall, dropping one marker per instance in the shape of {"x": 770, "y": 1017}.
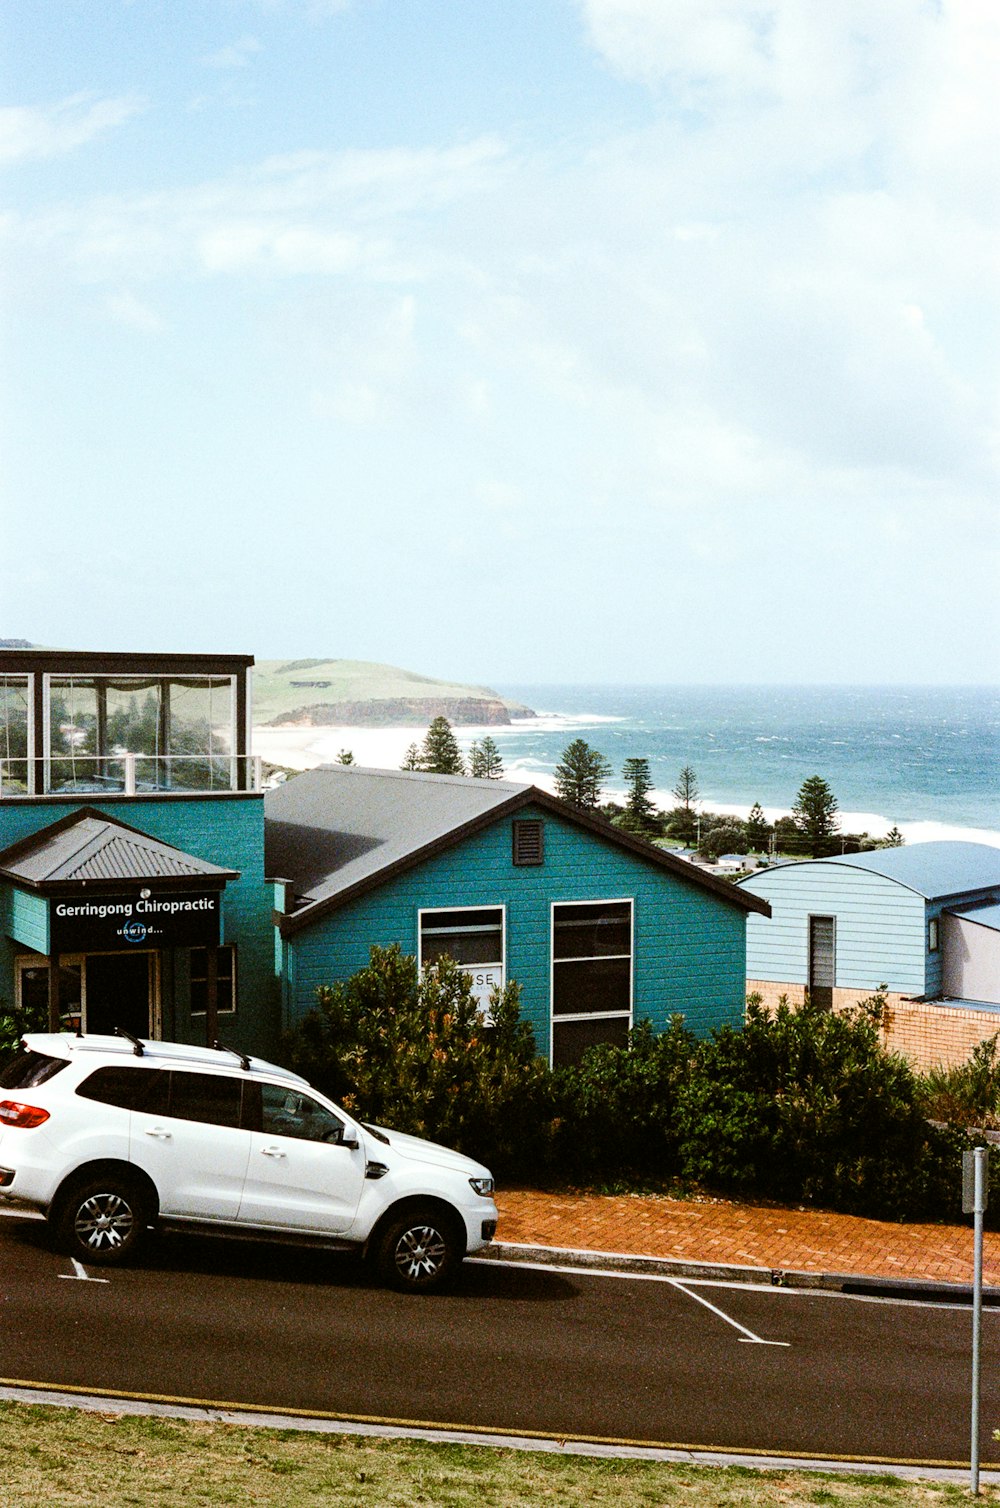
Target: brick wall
{"x": 930, "y": 1033}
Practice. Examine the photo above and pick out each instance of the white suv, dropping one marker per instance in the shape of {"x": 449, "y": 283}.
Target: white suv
{"x": 107, "y": 1137}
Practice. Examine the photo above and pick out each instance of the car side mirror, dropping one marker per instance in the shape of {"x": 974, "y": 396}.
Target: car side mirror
{"x": 349, "y": 1139}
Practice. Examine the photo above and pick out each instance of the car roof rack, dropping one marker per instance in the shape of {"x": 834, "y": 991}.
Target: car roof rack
{"x": 137, "y": 1046}
{"x": 244, "y": 1060}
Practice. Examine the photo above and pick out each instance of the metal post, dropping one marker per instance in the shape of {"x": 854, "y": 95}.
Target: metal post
{"x": 979, "y": 1205}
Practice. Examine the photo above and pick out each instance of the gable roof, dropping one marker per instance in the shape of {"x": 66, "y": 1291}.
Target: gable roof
{"x": 90, "y": 847}
{"x": 339, "y": 830}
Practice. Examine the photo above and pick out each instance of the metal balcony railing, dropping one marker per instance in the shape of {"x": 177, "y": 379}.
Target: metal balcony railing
{"x": 122, "y": 774}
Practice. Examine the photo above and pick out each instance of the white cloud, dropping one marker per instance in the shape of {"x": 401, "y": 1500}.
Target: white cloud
{"x": 237, "y": 55}
{"x": 33, "y": 131}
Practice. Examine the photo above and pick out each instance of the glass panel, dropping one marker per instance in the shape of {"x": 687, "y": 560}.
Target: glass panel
{"x": 469, "y": 937}
{"x": 225, "y": 969}
{"x": 13, "y": 735}
{"x": 202, "y": 720}
{"x": 73, "y": 735}
{"x": 591, "y": 985}
{"x": 592, "y": 931}
{"x": 34, "y": 979}
{"x": 205, "y": 1097}
{"x": 286, "y": 1112}
{"x": 129, "y": 1088}
{"x": 30, "y": 1069}
{"x": 570, "y": 1039}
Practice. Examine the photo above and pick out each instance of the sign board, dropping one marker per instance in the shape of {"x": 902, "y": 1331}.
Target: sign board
{"x": 484, "y": 979}
{"x": 141, "y": 919}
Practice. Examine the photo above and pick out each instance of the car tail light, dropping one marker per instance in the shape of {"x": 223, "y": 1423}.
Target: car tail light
{"x": 13, "y": 1113}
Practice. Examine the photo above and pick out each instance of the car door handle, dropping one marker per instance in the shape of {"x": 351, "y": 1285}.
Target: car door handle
{"x": 272, "y": 1152}
{"x": 159, "y": 1133}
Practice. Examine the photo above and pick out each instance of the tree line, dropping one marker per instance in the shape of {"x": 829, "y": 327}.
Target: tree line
{"x": 811, "y": 828}
{"x": 439, "y": 754}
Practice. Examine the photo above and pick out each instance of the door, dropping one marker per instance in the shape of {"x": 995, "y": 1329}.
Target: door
{"x": 188, "y": 1136}
{"x": 118, "y": 992}
{"x": 300, "y": 1177}
{"x": 822, "y": 959}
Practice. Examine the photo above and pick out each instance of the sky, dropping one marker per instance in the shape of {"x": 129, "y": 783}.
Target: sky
{"x": 509, "y": 341}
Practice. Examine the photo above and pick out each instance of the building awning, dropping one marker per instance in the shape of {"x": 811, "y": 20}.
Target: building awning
{"x": 90, "y": 847}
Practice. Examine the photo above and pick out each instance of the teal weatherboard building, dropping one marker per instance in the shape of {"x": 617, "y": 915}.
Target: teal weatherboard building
{"x": 598, "y": 928}
{"x": 149, "y": 884}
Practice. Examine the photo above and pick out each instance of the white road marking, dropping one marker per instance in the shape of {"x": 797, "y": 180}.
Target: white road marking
{"x": 748, "y": 1337}
{"x": 80, "y": 1274}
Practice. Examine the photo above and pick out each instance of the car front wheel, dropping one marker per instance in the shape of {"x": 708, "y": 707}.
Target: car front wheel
{"x": 419, "y": 1252}
{"x": 102, "y": 1221}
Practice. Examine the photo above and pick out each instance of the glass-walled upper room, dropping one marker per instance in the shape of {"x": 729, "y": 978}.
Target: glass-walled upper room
{"x": 129, "y": 725}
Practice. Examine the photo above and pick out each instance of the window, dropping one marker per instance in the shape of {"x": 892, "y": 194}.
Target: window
{"x": 29, "y": 1069}
{"x": 15, "y": 717}
{"x": 131, "y": 1088}
{"x": 528, "y": 842}
{"x": 933, "y": 935}
{"x": 204, "y": 1097}
{"x": 32, "y": 991}
{"x": 225, "y": 980}
{"x": 287, "y": 1112}
{"x": 591, "y": 976}
{"x": 822, "y": 959}
{"x": 474, "y": 938}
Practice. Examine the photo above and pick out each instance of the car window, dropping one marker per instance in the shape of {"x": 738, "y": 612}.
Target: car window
{"x": 130, "y": 1087}
{"x": 206, "y": 1097}
{"x": 29, "y": 1069}
{"x": 288, "y": 1112}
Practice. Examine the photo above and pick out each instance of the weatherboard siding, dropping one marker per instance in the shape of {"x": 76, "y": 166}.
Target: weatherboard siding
{"x": 689, "y": 946}
{"x": 880, "y": 927}
{"x": 228, "y": 832}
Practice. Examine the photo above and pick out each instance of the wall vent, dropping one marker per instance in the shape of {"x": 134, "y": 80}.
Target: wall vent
{"x": 528, "y": 842}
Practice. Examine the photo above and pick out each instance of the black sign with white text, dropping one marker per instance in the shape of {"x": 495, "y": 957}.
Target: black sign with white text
{"x": 147, "y": 919}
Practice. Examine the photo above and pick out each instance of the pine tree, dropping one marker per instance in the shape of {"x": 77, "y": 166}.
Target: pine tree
{"x": 815, "y": 814}
{"x": 758, "y": 829}
{"x": 484, "y": 760}
{"x": 684, "y": 820}
{"x": 640, "y": 813}
{"x": 411, "y": 759}
{"x": 580, "y": 775}
{"x": 893, "y": 839}
{"x": 440, "y": 754}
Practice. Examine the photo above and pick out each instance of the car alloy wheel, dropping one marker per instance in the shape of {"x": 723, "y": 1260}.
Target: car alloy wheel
{"x": 421, "y": 1254}
{"x": 103, "y": 1222}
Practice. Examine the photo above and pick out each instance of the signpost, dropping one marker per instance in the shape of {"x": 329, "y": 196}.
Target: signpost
{"x": 975, "y": 1167}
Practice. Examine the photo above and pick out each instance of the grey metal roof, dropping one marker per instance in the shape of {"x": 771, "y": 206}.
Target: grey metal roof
{"x": 986, "y": 916}
{"x": 94, "y": 848}
{"x": 336, "y": 828}
{"x": 330, "y": 827}
{"x": 933, "y": 870}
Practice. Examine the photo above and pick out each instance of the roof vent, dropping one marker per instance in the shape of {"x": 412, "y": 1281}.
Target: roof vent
{"x": 528, "y": 842}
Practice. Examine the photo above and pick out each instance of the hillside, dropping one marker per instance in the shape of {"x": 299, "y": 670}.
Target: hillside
{"x": 358, "y": 693}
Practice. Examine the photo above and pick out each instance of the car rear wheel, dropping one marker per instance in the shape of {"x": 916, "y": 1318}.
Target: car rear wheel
{"x": 102, "y": 1221}
{"x": 419, "y": 1252}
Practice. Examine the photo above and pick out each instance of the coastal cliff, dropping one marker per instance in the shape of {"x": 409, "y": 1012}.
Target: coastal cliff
{"x": 361, "y": 694}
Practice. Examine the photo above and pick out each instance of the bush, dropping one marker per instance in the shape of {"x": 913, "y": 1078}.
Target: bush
{"x": 808, "y": 1106}
{"x": 14, "y": 1023}
{"x": 410, "y": 1050}
{"x": 618, "y": 1106}
{"x": 968, "y": 1094}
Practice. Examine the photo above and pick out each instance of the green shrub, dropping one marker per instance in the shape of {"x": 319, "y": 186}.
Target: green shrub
{"x": 969, "y": 1093}
{"x": 618, "y": 1106}
{"x": 14, "y": 1023}
{"x": 807, "y": 1106}
{"x": 410, "y": 1050}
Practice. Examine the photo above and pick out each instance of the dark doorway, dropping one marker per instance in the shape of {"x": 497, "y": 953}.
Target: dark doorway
{"x": 118, "y": 992}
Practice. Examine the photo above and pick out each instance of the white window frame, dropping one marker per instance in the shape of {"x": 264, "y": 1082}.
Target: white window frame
{"x": 423, "y": 911}
{"x": 29, "y": 679}
{"x": 621, "y": 900}
{"x": 222, "y": 1010}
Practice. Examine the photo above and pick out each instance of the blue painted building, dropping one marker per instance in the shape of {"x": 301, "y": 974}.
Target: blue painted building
{"x": 132, "y": 888}
{"x": 923, "y": 920}
{"x": 599, "y": 929}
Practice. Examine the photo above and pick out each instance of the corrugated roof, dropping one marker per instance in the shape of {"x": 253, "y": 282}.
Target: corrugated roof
{"x": 331, "y": 827}
{"x": 94, "y": 848}
{"x": 933, "y": 870}
{"x": 339, "y": 827}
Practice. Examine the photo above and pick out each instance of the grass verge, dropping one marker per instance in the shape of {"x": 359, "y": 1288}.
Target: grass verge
{"x": 68, "y": 1458}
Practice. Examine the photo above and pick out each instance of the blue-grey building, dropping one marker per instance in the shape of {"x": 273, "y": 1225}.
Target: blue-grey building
{"x": 923, "y": 920}
{"x": 598, "y": 928}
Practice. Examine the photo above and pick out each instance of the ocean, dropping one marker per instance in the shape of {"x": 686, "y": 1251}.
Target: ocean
{"x": 918, "y": 756}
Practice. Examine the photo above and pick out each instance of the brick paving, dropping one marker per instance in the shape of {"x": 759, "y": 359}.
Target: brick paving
{"x": 746, "y": 1235}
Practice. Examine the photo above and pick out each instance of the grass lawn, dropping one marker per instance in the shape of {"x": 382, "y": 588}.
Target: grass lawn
{"x": 67, "y": 1458}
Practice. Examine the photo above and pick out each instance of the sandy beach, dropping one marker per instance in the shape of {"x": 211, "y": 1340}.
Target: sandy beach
{"x": 300, "y": 748}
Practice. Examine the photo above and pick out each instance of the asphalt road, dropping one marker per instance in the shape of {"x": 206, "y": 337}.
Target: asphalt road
{"x": 517, "y": 1350}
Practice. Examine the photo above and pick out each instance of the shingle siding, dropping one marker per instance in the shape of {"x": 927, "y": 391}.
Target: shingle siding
{"x": 689, "y": 946}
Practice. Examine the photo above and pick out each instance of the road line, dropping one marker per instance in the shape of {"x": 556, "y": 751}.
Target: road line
{"x": 80, "y": 1275}
{"x": 747, "y": 1337}
{"x": 68, "y": 1395}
